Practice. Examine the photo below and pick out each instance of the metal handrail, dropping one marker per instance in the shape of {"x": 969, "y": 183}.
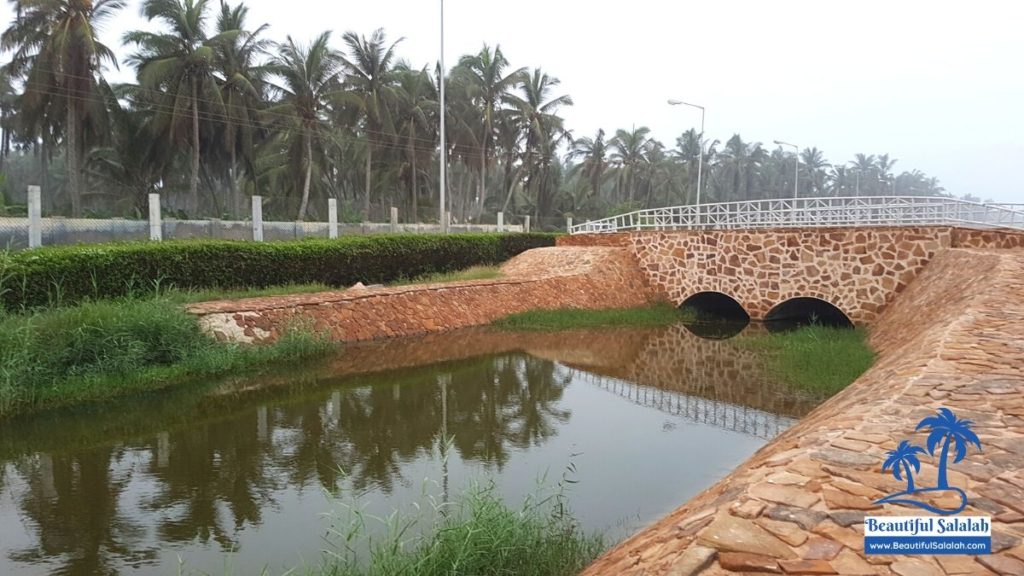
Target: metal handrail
{"x": 814, "y": 213}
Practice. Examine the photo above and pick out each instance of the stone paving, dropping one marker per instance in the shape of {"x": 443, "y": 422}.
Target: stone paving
{"x": 954, "y": 339}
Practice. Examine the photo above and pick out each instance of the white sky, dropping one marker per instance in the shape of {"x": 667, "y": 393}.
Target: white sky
{"x": 938, "y": 85}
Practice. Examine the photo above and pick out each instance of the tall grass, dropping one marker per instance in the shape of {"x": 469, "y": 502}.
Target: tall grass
{"x": 477, "y": 534}
{"x": 100, "y": 350}
{"x": 816, "y": 360}
{"x": 659, "y": 314}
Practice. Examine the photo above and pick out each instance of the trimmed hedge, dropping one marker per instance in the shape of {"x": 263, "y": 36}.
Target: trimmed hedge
{"x": 68, "y": 274}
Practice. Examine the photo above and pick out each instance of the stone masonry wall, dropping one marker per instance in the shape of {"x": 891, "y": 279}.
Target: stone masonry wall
{"x": 595, "y": 277}
{"x": 858, "y": 270}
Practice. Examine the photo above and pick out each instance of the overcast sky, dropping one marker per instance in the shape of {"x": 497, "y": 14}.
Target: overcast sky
{"x": 938, "y": 85}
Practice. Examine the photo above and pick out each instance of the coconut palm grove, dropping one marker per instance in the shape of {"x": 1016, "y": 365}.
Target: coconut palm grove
{"x": 218, "y": 112}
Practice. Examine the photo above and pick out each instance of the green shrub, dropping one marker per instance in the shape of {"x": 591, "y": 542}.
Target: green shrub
{"x": 68, "y": 274}
{"x": 101, "y": 350}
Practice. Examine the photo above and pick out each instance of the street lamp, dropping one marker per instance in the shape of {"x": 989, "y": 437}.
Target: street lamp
{"x": 700, "y": 144}
{"x": 796, "y": 170}
{"x": 443, "y": 160}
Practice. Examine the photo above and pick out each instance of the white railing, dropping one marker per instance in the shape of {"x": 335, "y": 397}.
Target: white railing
{"x": 814, "y": 213}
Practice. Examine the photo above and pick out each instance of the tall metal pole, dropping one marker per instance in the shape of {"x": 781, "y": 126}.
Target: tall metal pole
{"x": 444, "y": 144}
{"x": 700, "y": 146}
{"x": 700, "y": 155}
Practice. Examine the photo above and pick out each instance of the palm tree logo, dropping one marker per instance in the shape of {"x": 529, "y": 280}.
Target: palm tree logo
{"x": 943, "y": 429}
{"x": 903, "y": 461}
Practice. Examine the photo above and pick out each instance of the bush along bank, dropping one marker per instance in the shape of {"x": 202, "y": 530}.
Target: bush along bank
{"x": 69, "y": 274}
{"x": 102, "y": 350}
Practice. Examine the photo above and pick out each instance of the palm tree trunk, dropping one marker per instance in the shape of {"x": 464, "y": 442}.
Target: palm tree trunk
{"x": 942, "y": 482}
{"x": 910, "y": 477}
{"x": 73, "y": 166}
{"x": 482, "y": 190}
{"x": 309, "y": 176}
{"x": 415, "y": 183}
{"x": 235, "y": 200}
{"x": 366, "y": 192}
{"x": 193, "y": 190}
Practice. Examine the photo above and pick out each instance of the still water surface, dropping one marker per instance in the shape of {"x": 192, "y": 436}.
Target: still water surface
{"x": 647, "y": 418}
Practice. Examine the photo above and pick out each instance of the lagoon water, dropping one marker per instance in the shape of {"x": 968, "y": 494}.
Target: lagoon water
{"x": 253, "y": 472}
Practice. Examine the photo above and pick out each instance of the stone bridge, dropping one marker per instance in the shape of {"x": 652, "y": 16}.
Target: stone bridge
{"x": 859, "y": 271}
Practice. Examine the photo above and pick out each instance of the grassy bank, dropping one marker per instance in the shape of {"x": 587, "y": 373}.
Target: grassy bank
{"x": 660, "y": 314}
{"x": 816, "y": 360}
{"x": 102, "y": 350}
{"x": 471, "y": 273}
{"x": 478, "y": 534}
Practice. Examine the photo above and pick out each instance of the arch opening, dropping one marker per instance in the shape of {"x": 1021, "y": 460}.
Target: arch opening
{"x": 717, "y": 316}
{"x": 797, "y": 312}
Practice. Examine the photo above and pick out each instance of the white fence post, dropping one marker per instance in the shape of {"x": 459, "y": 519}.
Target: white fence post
{"x": 501, "y": 221}
{"x": 257, "y": 218}
{"x": 156, "y": 227}
{"x": 394, "y": 220}
{"x": 568, "y": 224}
{"x": 35, "y": 217}
{"x": 332, "y": 218}
{"x": 526, "y": 223}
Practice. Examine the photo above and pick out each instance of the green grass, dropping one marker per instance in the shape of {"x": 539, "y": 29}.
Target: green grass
{"x": 107, "y": 349}
{"x": 660, "y": 314}
{"x": 192, "y": 296}
{"x": 815, "y": 360}
{"x": 472, "y": 273}
{"x": 479, "y": 535}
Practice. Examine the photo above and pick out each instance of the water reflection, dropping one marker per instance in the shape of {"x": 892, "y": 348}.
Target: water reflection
{"x": 241, "y": 465}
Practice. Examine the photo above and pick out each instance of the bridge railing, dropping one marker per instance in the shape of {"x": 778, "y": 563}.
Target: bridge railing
{"x": 725, "y": 415}
{"x": 815, "y": 212}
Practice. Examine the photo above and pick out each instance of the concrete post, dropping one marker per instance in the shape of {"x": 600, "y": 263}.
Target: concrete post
{"x": 526, "y": 224}
{"x": 35, "y": 217}
{"x": 501, "y": 222}
{"x": 257, "y": 218}
{"x": 568, "y": 224}
{"x": 156, "y": 225}
{"x": 332, "y": 218}
{"x": 394, "y": 220}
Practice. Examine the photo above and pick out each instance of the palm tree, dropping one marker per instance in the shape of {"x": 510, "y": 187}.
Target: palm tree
{"x": 949, "y": 430}
{"x": 488, "y": 86}
{"x": 536, "y": 111}
{"x": 630, "y": 152}
{"x": 688, "y": 151}
{"x": 56, "y": 49}
{"x": 594, "y": 152}
{"x": 369, "y": 64}
{"x": 903, "y": 460}
{"x": 815, "y": 164}
{"x": 242, "y": 87}
{"x": 179, "y": 68}
{"x": 309, "y": 78}
{"x": 417, "y": 109}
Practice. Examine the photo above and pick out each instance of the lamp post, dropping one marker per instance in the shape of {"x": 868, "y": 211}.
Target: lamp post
{"x": 796, "y": 170}
{"x": 443, "y": 159}
{"x": 700, "y": 146}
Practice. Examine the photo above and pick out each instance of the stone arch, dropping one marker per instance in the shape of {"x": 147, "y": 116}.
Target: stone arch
{"x": 717, "y": 305}
{"x": 805, "y": 310}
